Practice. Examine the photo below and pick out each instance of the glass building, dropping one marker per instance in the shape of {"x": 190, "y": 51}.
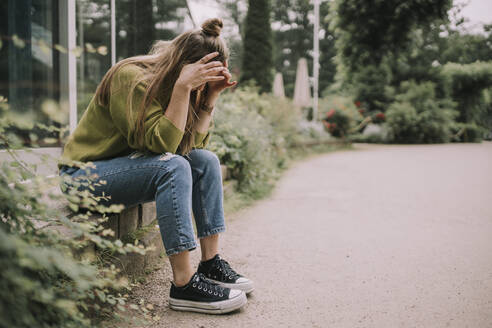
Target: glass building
{"x": 53, "y": 53}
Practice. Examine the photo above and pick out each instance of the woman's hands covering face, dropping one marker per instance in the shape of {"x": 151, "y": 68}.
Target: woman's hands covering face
{"x": 195, "y": 75}
{"x": 221, "y": 85}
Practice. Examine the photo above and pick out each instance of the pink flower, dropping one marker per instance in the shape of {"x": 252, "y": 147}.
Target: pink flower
{"x": 330, "y": 113}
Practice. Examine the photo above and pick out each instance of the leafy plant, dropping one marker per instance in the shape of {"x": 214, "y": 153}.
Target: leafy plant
{"x": 418, "y": 117}
{"x": 245, "y": 141}
{"x": 339, "y": 115}
{"x": 467, "y": 132}
{"x": 252, "y": 135}
{"x": 470, "y": 86}
{"x": 45, "y": 281}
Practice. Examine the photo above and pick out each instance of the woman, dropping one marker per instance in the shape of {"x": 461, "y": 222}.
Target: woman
{"x": 145, "y": 130}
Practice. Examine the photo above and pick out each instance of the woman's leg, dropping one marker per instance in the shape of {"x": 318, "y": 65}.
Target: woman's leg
{"x": 181, "y": 266}
{"x": 207, "y": 200}
{"x": 168, "y": 179}
{"x": 209, "y": 217}
{"x": 209, "y": 246}
{"x": 142, "y": 177}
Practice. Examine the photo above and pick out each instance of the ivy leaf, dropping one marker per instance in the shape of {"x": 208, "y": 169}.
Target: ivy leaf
{"x": 74, "y": 207}
{"x": 101, "y": 295}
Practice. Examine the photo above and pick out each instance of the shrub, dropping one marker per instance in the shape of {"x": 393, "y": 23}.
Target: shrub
{"x": 418, "y": 117}
{"x": 339, "y": 115}
{"x": 378, "y": 117}
{"x": 373, "y": 133}
{"x": 246, "y": 142}
{"x": 280, "y": 113}
{"x": 467, "y": 132}
{"x": 470, "y": 87}
{"x": 43, "y": 281}
{"x": 310, "y": 132}
{"x": 252, "y": 135}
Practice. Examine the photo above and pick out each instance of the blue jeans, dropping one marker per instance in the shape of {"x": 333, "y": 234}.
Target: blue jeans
{"x": 178, "y": 184}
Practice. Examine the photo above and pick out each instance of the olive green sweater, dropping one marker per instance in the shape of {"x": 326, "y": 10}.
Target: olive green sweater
{"x": 104, "y": 132}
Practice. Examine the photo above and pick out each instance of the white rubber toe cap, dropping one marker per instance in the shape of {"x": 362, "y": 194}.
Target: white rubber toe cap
{"x": 235, "y": 293}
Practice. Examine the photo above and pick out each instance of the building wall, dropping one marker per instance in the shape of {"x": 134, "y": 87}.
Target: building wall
{"x": 33, "y": 67}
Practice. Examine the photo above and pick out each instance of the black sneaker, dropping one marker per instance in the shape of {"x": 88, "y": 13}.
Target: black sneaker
{"x": 219, "y": 271}
{"x": 202, "y": 295}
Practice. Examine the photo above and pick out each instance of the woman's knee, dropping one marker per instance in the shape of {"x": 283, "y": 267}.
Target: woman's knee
{"x": 204, "y": 158}
{"x": 180, "y": 166}
{"x": 177, "y": 168}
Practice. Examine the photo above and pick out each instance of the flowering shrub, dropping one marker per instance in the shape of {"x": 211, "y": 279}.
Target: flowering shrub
{"x": 339, "y": 115}
{"x": 378, "y": 117}
{"x": 337, "y": 123}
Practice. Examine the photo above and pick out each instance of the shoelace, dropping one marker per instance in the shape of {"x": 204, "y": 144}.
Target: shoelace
{"x": 202, "y": 283}
{"x": 226, "y": 269}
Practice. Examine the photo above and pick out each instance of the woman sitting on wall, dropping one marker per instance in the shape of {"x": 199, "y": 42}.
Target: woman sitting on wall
{"x": 145, "y": 130}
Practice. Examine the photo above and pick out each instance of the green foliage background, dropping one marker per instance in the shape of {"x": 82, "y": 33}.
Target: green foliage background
{"x": 257, "y": 61}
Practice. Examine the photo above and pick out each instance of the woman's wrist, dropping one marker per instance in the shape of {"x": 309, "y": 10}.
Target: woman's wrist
{"x": 182, "y": 86}
{"x": 207, "y": 108}
{"x": 209, "y": 103}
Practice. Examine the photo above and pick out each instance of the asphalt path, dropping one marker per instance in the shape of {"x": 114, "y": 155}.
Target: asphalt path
{"x": 378, "y": 236}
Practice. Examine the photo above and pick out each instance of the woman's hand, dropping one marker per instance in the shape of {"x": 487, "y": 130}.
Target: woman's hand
{"x": 216, "y": 87}
{"x": 192, "y": 76}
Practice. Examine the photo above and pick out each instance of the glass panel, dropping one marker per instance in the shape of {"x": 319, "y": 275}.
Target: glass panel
{"x": 140, "y": 22}
{"x": 94, "y": 37}
{"x": 29, "y": 76}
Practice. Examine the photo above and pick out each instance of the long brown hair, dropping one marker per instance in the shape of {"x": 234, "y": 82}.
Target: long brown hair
{"x": 161, "y": 68}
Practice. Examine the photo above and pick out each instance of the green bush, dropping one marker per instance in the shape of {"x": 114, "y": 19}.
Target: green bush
{"x": 44, "y": 281}
{"x": 339, "y": 115}
{"x": 252, "y": 135}
{"x": 372, "y": 135}
{"x": 467, "y": 132}
{"x": 280, "y": 114}
{"x": 470, "y": 86}
{"x": 418, "y": 117}
{"x": 246, "y": 142}
{"x": 310, "y": 132}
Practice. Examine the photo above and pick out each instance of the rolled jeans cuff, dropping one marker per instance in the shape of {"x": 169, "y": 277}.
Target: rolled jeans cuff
{"x": 210, "y": 232}
{"x": 189, "y": 246}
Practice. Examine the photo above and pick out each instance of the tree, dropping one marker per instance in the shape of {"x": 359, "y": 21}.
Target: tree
{"x": 257, "y": 56}
{"x": 140, "y": 22}
{"x": 369, "y": 33}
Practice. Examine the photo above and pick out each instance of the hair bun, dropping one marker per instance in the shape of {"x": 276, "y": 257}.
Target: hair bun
{"x": 212, "y": 26}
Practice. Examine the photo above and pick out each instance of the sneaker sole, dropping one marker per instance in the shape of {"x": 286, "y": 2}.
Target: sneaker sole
{"x": 246, "y": 287}
{"x": 218, "y": 307}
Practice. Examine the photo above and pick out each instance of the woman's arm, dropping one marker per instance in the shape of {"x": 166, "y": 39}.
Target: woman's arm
{"x": 177, "y": 109}
{"x": 214, "y": 90}
{"x": 204, "y": 118}
{"x": 191, "y": 77}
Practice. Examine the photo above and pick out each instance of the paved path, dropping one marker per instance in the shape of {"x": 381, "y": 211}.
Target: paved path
{"x": 381, "y": 236}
